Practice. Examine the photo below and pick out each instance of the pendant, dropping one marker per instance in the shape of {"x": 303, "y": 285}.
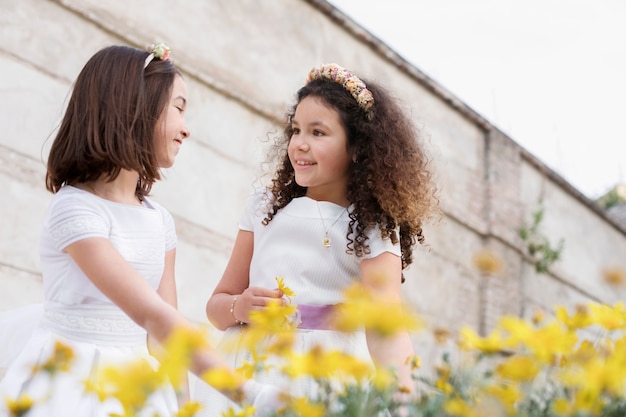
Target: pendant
{"x": 326, "y": 242}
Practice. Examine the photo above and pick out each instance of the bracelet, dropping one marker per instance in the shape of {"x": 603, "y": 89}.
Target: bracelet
{"x": 232, "y": 311}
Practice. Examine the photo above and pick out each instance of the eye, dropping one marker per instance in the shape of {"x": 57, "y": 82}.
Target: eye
{"x": 180, "y": 109}
{"x": 295, "y": 131}
{"x": 318, "y": 132}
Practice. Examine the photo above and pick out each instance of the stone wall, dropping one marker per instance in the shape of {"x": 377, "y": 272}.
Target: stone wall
{"x": 243, "y": 62}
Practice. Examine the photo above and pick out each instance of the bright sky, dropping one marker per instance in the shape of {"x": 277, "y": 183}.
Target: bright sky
{"x": 549, "y": 73}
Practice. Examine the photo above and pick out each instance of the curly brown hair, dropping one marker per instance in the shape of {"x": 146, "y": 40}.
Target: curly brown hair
{"x": 389, "y": 183}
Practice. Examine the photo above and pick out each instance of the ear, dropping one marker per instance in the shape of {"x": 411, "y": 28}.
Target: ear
{"x": 354, "y": 159}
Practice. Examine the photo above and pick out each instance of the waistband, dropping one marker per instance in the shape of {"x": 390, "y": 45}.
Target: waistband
{"x": 315, "y": 317}
{"x": 100, "y": 325}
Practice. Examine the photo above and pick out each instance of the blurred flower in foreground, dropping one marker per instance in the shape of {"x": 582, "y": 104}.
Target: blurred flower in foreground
{"x": 189, "y": 409}
{"x": 60, "y": 361}
{"x": 19, "y": 407}
{"x": 363, "y": 309}
{"x": 488, "y": 262}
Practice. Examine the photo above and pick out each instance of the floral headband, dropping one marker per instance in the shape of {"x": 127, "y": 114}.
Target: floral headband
{"x": 347, "y": 80}
{"x": 160, "y": 51}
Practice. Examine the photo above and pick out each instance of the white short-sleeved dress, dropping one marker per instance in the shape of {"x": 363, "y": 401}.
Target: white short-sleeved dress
{"x": 292, "y": 246}
{"x": 78, "y": 314}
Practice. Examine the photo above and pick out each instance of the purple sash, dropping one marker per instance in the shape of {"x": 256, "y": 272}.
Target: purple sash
{"x": 315, "y": 317}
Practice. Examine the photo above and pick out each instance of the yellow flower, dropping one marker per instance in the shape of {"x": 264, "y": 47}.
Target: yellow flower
{"x": 179, "y": 348}
{"x": 414, "y": 361}
{"x": 287, "y": 292}
{"x": 246, "y": 411}
{"x": 223, "y": 379}
{"x": 319, "y": 364}
{"x": 257, "y": 365}
{"x": 60, "y": 361}
{"x": 610, "y": 318}
{"x": 273, "y": 318}
{"x": 303, "y": 407}
{"x": 550, "y": 341}
{"x": 614, "y": 276}
{"x": 491, "y": 344}
{"x": 363, "y": 309}
{"x": 384, "y": 378}
{"x": 518, "y": 368}
{"x": 488, "y": 262}
{"x": 443, "y": 376}
{"x": 507, "y": 394}
{"x": 458, "y": 408}
{"x": 441, "y": 335}
{"x": 189, "y": 409}
{"x": 19, "y": 407}
{"x": 563, "y": 407}
{"x": 131, "y": 384}
{"x": 580, "y": 319}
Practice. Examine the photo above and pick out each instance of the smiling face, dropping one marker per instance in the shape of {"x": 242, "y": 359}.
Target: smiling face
{"x": 318, "y": 151}
{"x": 171, "y": 126}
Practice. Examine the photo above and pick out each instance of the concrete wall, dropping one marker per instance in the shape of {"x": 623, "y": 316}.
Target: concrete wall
{"x": 243, "y": 61}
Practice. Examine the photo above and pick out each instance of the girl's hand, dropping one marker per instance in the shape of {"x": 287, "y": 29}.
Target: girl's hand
{"x": 253, "y": 298}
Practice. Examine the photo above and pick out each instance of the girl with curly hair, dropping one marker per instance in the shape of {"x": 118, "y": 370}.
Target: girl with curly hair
{"x": 346, "y": 204}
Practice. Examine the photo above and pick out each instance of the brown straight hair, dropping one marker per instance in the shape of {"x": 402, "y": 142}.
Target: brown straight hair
{"x": 110, "y": 120}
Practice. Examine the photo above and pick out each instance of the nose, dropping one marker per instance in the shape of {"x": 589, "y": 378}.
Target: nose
{"x": 300, "y": 142}
{"x": 185, "y": 132}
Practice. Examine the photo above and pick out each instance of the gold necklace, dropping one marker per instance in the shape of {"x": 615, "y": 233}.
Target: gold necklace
{"x": 326, "y": 240}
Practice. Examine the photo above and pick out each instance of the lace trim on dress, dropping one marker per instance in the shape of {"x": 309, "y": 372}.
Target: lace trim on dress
{"x": 96, "y": 325}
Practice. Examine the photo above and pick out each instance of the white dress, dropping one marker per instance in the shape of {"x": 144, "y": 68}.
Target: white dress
{"x": 78, "y": 314}
{"x": 291, "y": 246}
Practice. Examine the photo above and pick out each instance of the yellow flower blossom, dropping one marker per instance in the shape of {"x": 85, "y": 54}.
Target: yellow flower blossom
{"x": 507, "y": 394}
{"x": 20, "y": 406}
{"x": 257, "y": 364}
{"x": 441, "y": 335}
{"x": 246, "y": 411}
{"x": 189, "y": 409}
{"x": 60, "y": 360}
{"x": 362, "y": 309}
{"x": 614, "y": 276}
{"x": 130, "y": 384}
{"x": 538, "y": 316}
{"x": 610, "y": 318}
{"x": 414, "y": 361}
{"x": 563, "y": 407}
{"x": 303, "y": 407}
{"x": 273, "y": 318}
{"x": 318, "y": 363}
{"x": 495, "y": 342}
{"x": 287, "y": 292}
{"x": 223, "y": 379}
{"x": 579, "y": 320}
{"x": 488, "y": 262}
{"x": 458, "y": 408}
{"x": 178, "y": 351}
{"x": 518, "y": 368}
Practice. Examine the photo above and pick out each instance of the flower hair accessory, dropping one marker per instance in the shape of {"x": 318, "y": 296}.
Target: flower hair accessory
{"x": 347, "y": 80}
{"x": 160, "y": 51}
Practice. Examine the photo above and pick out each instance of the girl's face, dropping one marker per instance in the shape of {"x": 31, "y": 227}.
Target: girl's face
{"x": 171, "y": 126}
{"x": 318, "y": 151}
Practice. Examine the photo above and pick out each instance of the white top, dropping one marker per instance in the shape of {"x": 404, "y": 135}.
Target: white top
{"x": 142, "y": 235}
{"x": 291, "y": 246}
{"x": 75, "y": 311}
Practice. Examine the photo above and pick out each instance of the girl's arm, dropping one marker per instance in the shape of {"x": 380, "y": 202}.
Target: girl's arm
{"x": 382, "y": 274}
{"x": 235, "y": 283}
{"x": 125, "y": 287}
